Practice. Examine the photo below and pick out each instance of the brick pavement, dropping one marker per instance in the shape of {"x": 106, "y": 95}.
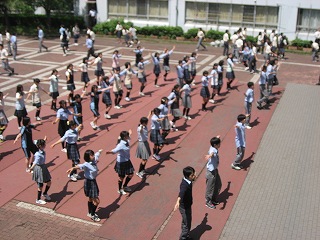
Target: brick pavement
{"x": 280, "y": 197}
{"x": 29, "y": 66}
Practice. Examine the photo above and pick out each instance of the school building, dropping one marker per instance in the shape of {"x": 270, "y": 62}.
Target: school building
{"x": 294, "y": 18}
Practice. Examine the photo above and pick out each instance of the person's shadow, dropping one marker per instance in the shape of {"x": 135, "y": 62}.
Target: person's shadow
{"x": 224, "y": 196}
{"x": 245, "y": 164}
{"x": 105, "y": 212}
{"x": 199, "y": 230}
{"x": 57, "y": 197}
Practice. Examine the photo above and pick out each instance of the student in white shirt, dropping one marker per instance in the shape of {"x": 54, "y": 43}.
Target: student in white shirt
{"x": 226, "y": 43}
{"x": 200, "y": 36}
{"x": 5, "y": 61}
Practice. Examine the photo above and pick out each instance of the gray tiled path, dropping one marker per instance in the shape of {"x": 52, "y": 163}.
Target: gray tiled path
{"x": 280, "y": 198}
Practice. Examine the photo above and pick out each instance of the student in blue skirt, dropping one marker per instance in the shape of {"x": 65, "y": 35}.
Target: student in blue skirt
{"x": 91, "y": 189}
{"x": 143, "y": 150}
{"x": 40, "y": 173}
{"x": 71, "y": 138}
{"x": 78, "y": 118}
{"x": 155, "y": 135}
{"x": 123, "y": 164}
{"x": 204, "y": 93}
{"x": 83, "y": 67}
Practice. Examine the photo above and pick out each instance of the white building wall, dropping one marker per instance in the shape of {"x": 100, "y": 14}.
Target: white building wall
{"x": 287, "y": 18}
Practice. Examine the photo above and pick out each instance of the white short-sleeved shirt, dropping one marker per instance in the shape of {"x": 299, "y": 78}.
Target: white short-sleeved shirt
{"x": 34, "y": 90}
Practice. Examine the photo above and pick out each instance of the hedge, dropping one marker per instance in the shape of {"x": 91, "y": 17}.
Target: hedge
{"x": 110, "y": 26}
{"x": 301, "y": 43}
{"x": 23, "y": 24}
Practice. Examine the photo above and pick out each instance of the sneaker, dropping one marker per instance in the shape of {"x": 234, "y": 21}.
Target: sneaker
{"x": 174, "y": 129}
{"x": 77, "y": 176}
{"x": 130, "y": 45}
{"x": 120, "y": 106}
{"x": 64, "y": 55}
{"x": 156, "y": 86}
{"x": 89, "y": 215}
{"x": 156, "y": 157}
{"x": 79, "y": 139}
{"x": 211, "y": 101}
{"x": 93, "y": 125}
{"x": 122, "y": 192}
{"x": 117, "y": 107}
{"x": 95, "y": 218}
{"x": 73, "y": 178}
{"x": 210, "y": 205}
{"x": 27, "y": 170}
{"x": 127, "y": 99}
{"x": 246, "y": 68}
{"x": 46, "y": 196}
{"x": 215, "y": 203}
{"x": 171, "y": 123}
{"x": 141, "y": 93}
{"x": 127, "y": 189}
{"x": 138, "y": 42}
{"x": 76, "y": 44}
{"x": 235, "y": 167}
{"x": 107, "y": 116}
{"x": 42, "y": 202}
{"x": 189, "y": 118}
{"x": 38, "y": 119}
{"x": 64, "y": 150}
{"x": 139, "y": 174}
{"x": 248, "y": 127}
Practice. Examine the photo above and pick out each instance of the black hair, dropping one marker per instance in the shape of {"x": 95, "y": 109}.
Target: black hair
{"x": 264, "y": 68}
{"x": 36, "y": 80}
{"x": 77, "y": 96}
{"x": 126, "y": 64}
{"x": 144, "y": 120}
{"x": 40, "y": 142}
{"x": 221, "y": 62}
{"x": 175, "y": 87}
{"x": 53, "y": 71}
{"x": 163, "y": 100}
{"x": 188, "y": 81}
{"x": 25, "y": 121}
{"x": 205, "y": 73}
{"x": 94, "y": 87}
{"x": 215, "y": 141}
{"x": 215, "y": 65}
{"x": 188, "y": 171}
{"x": 62, "y": 102}
{"x": 72, "y": 123}
{"x": 87, "y": 154}
{"x": 180, "y": 61}
{"x": 19, "y": 89}
{"x": 193, "y": 54}
{"x": 250, "y": 84}
{"x": 84, "y": 59}
{"x": 105, "y": 78}
{"x": 156, "y": 111}
{"x": 69, "y": 65}
{"x": 241, "y": 117}
{"x": 124, "y": 134}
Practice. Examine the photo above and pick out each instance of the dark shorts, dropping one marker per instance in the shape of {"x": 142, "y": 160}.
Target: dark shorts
{"x": 99, "y": 73}
{"x": 119, "y": 93}
{"x": 95, "y": 112}
{"x": 78, "y": 120}
{"x": 54, "y": 95}
{"x": 71, "y": 86}
{"x": 37, "y": 105}
{"x": 30, "y": 149}
{"x": 85, "y": 77}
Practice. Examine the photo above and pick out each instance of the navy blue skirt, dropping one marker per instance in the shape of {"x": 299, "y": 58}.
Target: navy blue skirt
{"x": 91, "y": 188}
{"x": 205, "y": 92}
{"x": 124, "y": 168}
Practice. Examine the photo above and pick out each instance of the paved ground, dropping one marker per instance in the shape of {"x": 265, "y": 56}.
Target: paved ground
{"x": 146, "y": 213}
{"x": 280, "y": 197}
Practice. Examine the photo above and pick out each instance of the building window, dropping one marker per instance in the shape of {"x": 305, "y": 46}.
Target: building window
{"x": 231, "y": 14}
{"x": 138, "y": 9}
{"x": 308, "y": 20}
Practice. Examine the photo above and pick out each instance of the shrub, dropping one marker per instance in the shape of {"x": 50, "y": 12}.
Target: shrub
{"x": 251, "y": 39}
{"x": 110, "y": 26}
{"x": 215, "y": 35}
{"x": 191, "y": 33}
{"x": 301, "y": 43}
{"x": 171, "y": 32}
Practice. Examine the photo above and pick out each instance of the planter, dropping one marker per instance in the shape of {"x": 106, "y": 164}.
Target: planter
{"x": 292, "y": 47}
{"x": 164, "y": 37}
{"x": 300, "y": 48}
{"x": 154, "y": 37}
{"x": 180, "y": 38}
{"x": 307, "y": 49}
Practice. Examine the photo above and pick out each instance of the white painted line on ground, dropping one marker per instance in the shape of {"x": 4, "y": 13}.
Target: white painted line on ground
{"x": 52, "y": 212}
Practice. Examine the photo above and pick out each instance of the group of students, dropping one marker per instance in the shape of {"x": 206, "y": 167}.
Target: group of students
{"x": 162, "y": 120}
